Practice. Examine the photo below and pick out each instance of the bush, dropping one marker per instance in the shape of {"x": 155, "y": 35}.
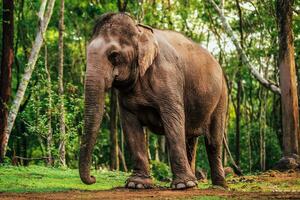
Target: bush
{"x": 161, "y": 171}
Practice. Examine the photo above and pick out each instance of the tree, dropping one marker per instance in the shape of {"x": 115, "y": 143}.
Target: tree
{"x": 239, "y": 88}
{"x": 6, "y": 68}
{"x": 122, "y": 5}
{"x": 161, "y": 140}
{"x": 49, "y": 110}
{"x": 288, "y": 82}
{"x": 252, "y": 109}
{"x": 114, "y": 147}
{"x": 44, "y": 19}
{"x": 62, "y": 145}
{"x": 266, "y": 83}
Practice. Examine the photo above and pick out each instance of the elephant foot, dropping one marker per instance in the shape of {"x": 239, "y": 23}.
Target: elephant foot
{"x": 220, "y": 184}
{"x": 139, "y": 181}
{"x": 179, "y": 184}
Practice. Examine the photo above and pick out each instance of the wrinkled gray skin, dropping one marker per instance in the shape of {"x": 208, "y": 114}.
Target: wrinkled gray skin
{"x": 167, "y": 83}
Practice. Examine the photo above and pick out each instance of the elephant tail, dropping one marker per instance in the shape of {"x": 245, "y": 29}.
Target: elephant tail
{"x": 237, "y": 170}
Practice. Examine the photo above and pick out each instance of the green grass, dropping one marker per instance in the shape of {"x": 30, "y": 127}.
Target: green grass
{"x": 45, "y": 179}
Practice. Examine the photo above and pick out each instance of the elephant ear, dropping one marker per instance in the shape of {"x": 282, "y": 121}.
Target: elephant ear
{"x": 147, "y": 48}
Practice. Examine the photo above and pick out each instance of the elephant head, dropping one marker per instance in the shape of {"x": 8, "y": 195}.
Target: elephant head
{"x": 119, "y": 53}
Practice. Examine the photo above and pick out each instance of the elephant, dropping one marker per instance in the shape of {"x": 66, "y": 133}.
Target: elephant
{"x": 167, "y": 83}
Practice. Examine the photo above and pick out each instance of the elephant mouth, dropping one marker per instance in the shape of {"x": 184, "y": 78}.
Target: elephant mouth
{"x": 127, "y": 85}
{"x": 124, "y": 86}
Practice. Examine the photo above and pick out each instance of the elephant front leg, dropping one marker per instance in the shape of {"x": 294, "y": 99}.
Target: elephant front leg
{"x": 136, "y": 143}
{"x": 174, "y": 120}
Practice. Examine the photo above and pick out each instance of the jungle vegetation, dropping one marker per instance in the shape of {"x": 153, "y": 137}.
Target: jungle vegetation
{"x": 43, "y": 60}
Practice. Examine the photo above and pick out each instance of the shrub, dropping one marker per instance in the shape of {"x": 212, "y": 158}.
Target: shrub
{"x": 161, "y": 171}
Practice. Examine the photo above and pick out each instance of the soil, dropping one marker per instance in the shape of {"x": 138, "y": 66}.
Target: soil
{"x": 119, "y": 193}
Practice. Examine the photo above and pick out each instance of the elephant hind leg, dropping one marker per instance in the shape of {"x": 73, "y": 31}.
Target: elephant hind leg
{"x": 136, "y": 143}
{"x": 213, "y": 143}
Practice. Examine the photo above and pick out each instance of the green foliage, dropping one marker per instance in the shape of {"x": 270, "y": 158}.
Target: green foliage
{"x": 260, "y": 110}
{"x": 160, "y": 171}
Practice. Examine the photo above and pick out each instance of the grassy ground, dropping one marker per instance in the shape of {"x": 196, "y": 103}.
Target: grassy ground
{"x": 272, "y": 181}
{"x": 44, "y": 180}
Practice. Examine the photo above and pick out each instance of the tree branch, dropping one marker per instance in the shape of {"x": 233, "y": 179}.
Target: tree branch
{"x": 266, "y": 83}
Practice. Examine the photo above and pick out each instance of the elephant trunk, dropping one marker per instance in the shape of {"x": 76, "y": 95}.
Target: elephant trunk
{"x": 93, "y": 113}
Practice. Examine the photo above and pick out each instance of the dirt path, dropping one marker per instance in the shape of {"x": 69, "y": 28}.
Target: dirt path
{"x": 150, "y": 194}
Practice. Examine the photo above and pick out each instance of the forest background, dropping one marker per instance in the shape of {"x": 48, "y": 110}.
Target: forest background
{"x": 251, "y": 44}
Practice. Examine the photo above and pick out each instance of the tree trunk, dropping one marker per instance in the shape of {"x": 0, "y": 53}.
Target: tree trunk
{"x": 262, "y": 129}
{"x": 277, "y": 125}
{"x": 122, "y": 159}
{"x": 122, "y": 5}
{"x": 24, "y": 143}
{"x": 49, "y": 111}
{"x": 237, "y": 121}
{"x": 6, "y": 68}
{"x": 263, "y": 123}
{"x": 225, "y": 159}
{"x": 147, "y": 137}
{"x": 62, "y": 126}
{"x": 288, "y": 84}
{"x": 44, "y": 20}
{"x": 156, "y": 151}
{"x": 236, "y": 168}
{"x": 141, "y": 11}
{"x": 249, "y": 125}
{"x": 229, "y": 86}
{"x": 114, "y": 158}
{"x": 239, "y": 88}
{"x": 121, "y": 150}
{"x": 162, "y": 148}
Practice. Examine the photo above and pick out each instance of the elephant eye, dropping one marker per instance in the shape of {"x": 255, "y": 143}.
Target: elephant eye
{"x": 115, "y": 58}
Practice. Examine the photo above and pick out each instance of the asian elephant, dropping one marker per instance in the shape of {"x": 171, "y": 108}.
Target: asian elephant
{"x": 166, "y": 83}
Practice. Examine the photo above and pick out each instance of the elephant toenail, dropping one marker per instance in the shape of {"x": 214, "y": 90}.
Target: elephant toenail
{"x": 131, "y": 185}
{"x": 180, "y": 186}
{"x": 190, "y": 184}
{"x": 140, "y": 186}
